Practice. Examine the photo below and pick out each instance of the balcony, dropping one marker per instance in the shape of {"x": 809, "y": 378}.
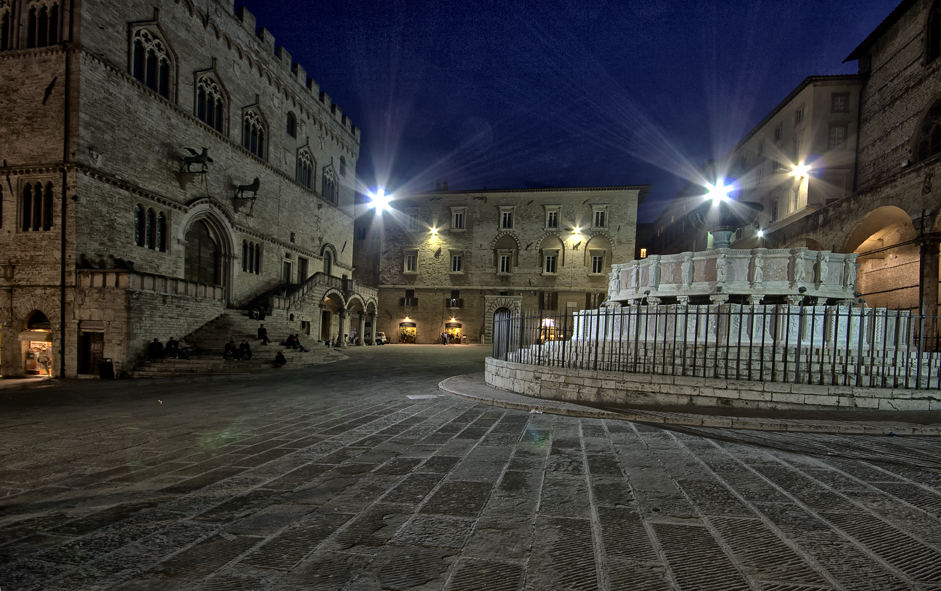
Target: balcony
{"x": 409, "y": 302}
{"x": 454, "y": 303}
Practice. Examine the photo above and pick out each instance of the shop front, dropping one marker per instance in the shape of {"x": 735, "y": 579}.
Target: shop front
{"x": 408, "y": 331}
{"x": 453, "y": 331}
{"x": 38, "y": 358}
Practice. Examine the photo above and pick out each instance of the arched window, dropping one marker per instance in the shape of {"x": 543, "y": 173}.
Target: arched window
{"x": 150, "y": 238}
{"x": 327, "y": 262}
{"x": 162, "y": 232}
{"x": 27, "y": 208}
{"x": 342, "y": 166}
{"x": 251, "y": 257}
{"x": 210, "y": 108}
{"x": 329, "y": 185}
{"x": 933, "y": 36}
{"x": 292, "y": 125}
{"x": 929, "y": 134}
{"x": 42, "y": 26}
{"x": 305, "y": 169}
{"x": 140, "y": 228}
{"x": 6, "y": 26}
{"x": 151, "y": 62}
{"x": 253, "y": 133}
{"x": 244, "y": 256}
{"x": 257, "y": 259}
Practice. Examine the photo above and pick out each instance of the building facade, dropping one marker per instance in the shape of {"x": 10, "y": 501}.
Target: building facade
{"x": 447, "y": 261}
{"x": 162, "y": 161}
{"x": 797, "y": 159}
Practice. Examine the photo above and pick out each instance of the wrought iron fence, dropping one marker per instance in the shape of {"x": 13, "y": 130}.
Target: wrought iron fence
{"x": 822, "y": 345}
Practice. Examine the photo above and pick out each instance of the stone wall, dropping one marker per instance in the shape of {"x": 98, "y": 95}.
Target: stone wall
{"x": 644, "y": 390}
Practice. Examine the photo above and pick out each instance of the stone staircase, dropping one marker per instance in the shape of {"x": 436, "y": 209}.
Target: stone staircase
{"x": 209, "y": 343}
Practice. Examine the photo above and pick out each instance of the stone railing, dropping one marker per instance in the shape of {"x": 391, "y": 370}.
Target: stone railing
{"x": 313, "y": 283}
{"x": 127, "y": 279}
{"x": 787, "y": 275}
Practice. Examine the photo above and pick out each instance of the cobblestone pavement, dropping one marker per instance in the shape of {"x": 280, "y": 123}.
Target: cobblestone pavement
{"x": 363, "y": 476}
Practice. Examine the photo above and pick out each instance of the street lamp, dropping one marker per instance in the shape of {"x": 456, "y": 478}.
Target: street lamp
{"x": 379, "y": 200}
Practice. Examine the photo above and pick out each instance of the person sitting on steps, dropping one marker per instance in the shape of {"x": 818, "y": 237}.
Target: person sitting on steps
{"x": 279, "y": 359}
{"x": 263, "y": 335}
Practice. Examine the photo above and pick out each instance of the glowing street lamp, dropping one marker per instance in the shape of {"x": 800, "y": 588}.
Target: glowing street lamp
{"x": 719, "y": 191}
{"x": 379, "y": 200}
{"x": 800, "y": 170}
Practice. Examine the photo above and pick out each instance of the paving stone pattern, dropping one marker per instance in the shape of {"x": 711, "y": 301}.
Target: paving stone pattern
{"x": 331, "y": 478}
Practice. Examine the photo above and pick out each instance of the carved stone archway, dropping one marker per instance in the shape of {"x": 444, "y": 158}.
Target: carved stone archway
{"x": 493, "y": 303}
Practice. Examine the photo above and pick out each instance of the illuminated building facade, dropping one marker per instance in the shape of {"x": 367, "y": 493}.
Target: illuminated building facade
{"x": 162, "y": 161}
{"x": 447, "y": 261}
{"x": 798, "y": 159}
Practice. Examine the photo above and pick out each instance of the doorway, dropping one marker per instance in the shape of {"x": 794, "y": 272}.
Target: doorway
{"x": 91, "y": 351}
{"x": 286, "y": 273}
{"x": 202, "y": 255}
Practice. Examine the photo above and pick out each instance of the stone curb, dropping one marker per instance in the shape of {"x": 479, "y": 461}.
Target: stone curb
{"x": 473, "y": 387}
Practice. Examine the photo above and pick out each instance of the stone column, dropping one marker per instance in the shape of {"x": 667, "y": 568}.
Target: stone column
{"x": 372, "y": 331}
{"x": 928, "y": 275}
{"x": 362, "y": 329}
{"x": 341, "y": 342}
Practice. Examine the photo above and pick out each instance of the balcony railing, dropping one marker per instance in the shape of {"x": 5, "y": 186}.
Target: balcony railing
{"x": 454, "y": 303}
{"x": 409, "y": 302}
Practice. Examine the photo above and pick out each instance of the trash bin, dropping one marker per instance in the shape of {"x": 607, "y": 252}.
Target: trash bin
{"x": 106, "y": 369}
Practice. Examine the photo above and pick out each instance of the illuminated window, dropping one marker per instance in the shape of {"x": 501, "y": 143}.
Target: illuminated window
{"x": 643, "y": 253}
{"x": 412, "y": 220}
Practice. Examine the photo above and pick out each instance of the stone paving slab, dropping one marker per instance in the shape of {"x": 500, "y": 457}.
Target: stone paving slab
{"x": 334, "y": 478}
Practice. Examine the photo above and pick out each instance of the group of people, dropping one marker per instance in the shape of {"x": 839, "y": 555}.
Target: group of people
{"x": 293, "y": 341}
{"x": 238, "y": 353}
{"x": 174, "y": 349}
{"x": 257, "y": 313}
{"x": 446, "y": 338}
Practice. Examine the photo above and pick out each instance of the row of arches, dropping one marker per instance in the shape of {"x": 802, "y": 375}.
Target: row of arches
{"x": 150, "y": 228}
{"x": 43, "y": 24}
{"x": 36, "y": 207}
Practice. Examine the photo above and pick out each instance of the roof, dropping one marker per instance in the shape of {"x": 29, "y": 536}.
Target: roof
{"x": 643, "y": 190}
{"x": 883, "y": 27}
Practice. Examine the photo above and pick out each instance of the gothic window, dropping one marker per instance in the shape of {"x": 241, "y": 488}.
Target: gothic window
{"x": 253, "y": 133}
{"x": 934, "y": 34}
{"x": 210, "y": 108}
{"x": 329, "y": 185}
{"x": 42, "y": 26}
{"x": 7, "y": 27}
{"x": 929, "y": 135}
{"x": 150, "y": 237}
{"x": 327, "y": 263}
{"x": 37, "y": 207}
{"x": 140, "y": 229}
{"x": 151, "y": 62}
{"x": 305, "y": 169}
{"x": 292, "y": 125}
{"x": 161, "y": 232}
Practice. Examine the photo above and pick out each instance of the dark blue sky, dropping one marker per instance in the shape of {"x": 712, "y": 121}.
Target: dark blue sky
{"x": 497, "y": 93}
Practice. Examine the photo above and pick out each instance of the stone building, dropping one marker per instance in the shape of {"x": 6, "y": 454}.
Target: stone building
{"x": 447, "y": 261}
{"x": 162, "y": 160}
{"x": 797, "y": 159}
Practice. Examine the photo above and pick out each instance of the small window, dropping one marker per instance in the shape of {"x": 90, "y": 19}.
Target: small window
{"x": 412, "y": 220}
{"x": 457, "y": 263}
{"x": 361, "y": 232}
{"x": 643, "y": 253}
{"x": 837, "y": 137}
{"x": 799, "y": 115}
{"x": 758, "y": 175}
{"x": 506, "y": 218}
{"x": 551, "y": 259}
{"x": 552, "y": 219}
{"x": 36, "y": 207}
{"x": 411, "y": 262}
{"x": 761, "y": 148}
{"x": 292, "y": 125}
{"x": 597, "y": 263}
{"x": 548, "y": 300}
{"x": 777, "y": 133}
{"x": 599, "y": 217}
{"x": 774, "y": 210}
{"x": 140, "y": 225}
{"x": 342, "y": 166}
{"x": 797, "y": 149}
{"x": 504, "y": 263}
{"x": 457, "y": 218}
{"x": 840, "y": 102}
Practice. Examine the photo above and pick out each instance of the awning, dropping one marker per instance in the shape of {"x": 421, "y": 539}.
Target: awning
{"x": 30, "y": 335}
{"x": 452, "y": 325}
{"x": 408, "y": 325}
{"x": 91, "y": 325}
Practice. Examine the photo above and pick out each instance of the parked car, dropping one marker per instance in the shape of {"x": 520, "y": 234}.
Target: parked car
{"x": 381, "y": 338}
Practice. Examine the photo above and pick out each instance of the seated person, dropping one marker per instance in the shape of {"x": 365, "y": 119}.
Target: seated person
{"x": 185, "y": 351}
{"x": 230, "y": 350}
{"x": 155, "y": 349}
{"x": 296, "y": 344}
{"x": 279, "y": 359}
{"x": 245, "y": 350}
{"x": 290, "y": 342}
{"x": 172, "y": 349}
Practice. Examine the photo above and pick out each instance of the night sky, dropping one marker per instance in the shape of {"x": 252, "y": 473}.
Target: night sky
{"x": 560, "y": 93}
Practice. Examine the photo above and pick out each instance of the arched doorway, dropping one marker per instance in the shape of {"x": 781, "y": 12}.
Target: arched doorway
{"x": 888, "y": 258}
{"x": 202, "y": 255}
